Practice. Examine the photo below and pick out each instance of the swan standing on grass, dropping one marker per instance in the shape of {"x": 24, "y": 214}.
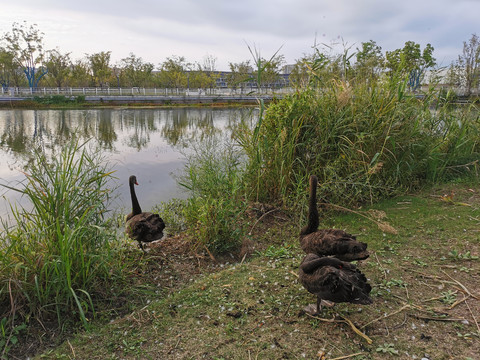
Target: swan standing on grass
{"x": 142, "y": 226}
{"x": 328, "y": 242}
{"x": 333, "y": 280}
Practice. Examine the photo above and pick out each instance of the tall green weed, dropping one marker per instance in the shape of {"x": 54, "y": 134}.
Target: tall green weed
{"x": 364, "y": 142}
{"x": 58, "y": 253}
{"x": 213, "y": 179}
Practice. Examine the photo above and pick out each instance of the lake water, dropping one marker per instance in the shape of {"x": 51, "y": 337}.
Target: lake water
{"x": 149, "y": 143}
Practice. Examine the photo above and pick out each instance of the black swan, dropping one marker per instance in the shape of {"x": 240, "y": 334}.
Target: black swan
{"x": 142, "y": 226}
{"x": 326, "y": 242}
{"x": 333, "y": 280}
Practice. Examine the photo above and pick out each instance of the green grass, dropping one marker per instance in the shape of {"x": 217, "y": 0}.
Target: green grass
{"x": 252, "y": 309}
{"x": 58, "y": 255}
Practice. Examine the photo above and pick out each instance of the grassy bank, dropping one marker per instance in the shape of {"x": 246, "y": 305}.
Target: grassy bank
{"x": 228, "y": 266}
{"x": 424, "y": 278}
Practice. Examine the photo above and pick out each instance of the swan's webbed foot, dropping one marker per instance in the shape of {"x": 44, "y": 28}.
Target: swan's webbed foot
{"x": 316, "y": 310}
{"x": 311, "y": 309}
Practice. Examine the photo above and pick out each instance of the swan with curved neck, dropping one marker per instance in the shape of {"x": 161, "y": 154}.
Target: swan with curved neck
{"x": 328, "y": 242}
{"x": 333, "y": 280}
{"x": 136, "y": 209}
{"x": 143, "y": 227}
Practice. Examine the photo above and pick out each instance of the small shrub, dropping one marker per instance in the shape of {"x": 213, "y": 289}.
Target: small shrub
{"x": 59, "y": 99}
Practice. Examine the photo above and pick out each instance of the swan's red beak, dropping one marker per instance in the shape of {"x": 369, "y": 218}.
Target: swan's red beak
{"x": 136, "y": 183}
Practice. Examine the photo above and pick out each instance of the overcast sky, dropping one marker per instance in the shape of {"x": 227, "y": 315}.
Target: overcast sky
{"x": 157, "y": 29}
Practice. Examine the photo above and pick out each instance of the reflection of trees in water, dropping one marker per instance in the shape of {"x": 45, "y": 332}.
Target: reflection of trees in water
{"x": 106, "y": 134}
{"x": 21, "y": 130}
{"x": 185, "y": 124}
{"x": 142, "y": 124}
{"x": 14, "y": 136}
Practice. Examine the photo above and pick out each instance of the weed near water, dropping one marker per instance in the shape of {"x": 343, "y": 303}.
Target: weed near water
{"x": 58, "y": 253}
{"x": 213, "y": 179}
{"x": 363, "y": 142}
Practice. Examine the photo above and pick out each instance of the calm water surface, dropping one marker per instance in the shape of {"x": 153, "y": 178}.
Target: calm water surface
{"x": 149, "y": 143}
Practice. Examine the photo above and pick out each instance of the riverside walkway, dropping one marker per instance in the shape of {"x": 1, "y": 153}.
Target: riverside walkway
{"x": 142, "y": 95}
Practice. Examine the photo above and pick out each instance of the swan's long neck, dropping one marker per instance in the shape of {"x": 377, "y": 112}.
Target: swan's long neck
{"x": 136, "y": 209}
{"x": 313, "y": 221}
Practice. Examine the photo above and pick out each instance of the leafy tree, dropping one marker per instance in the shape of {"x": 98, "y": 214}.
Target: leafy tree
{"x": 173, "y": 72}
{"x": 240, "y": 74}
{"x": 369, "y": 61}
{"x": 300, "y": 76}
{"x": 9, "y": 72}
{"x": 135, "y": 71}
{"x": 26, "y": 44}
{"x": 410, "y": 61}
{"x": 80, "y": 74}
{"x": 200, "y": 78}
{"x": 58, "y": 66}
{"x": 468, "y": 64}
{"x": 209, "y": 70}
{"x": 270, "y": 70}
{"x": 100, "y": 67}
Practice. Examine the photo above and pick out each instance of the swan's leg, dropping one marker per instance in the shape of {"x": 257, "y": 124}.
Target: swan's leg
{"x": 319, "y": 305}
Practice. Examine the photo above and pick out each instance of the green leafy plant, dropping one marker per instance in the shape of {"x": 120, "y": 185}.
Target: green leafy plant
{"x": 462, "y": 256}
{"x": 387, "y": 349}
{"x": 278, "y": 252}
{"x": 448, "y": 297}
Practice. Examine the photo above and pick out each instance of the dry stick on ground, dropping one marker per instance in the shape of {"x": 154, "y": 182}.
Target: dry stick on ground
{"x": 348, "y": 356}
{"x": 438, "y": 297}
{"x": 458, "y": 302}
{"x": 462, "y": 286}
{"x": 290, "y": 303}
{"x": 406, "y": 306}
{"x": 71, "y": 348}
{"x": 430, "y": 318}
{"x": 260, "y": 218}
{"x": 381, "y": 267}
{"x": 345, "y": 321}
{"x": 473, "y": 316}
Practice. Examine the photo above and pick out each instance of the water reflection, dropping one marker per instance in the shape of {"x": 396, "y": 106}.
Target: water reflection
{"x": 145, "y": 142}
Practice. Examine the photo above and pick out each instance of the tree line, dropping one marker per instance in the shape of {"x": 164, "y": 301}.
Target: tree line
{"x": 25, "y": 62}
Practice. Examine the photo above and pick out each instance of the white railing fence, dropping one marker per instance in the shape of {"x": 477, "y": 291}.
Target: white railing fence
{"x": 138, "y": 91}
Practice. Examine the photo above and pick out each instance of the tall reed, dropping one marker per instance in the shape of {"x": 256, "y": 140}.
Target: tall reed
{"x": 364, "y": 141}
{"x": 213, "y": 179}
{"x": 59, "y": 252}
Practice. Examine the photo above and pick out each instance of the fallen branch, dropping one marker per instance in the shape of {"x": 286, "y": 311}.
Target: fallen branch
{"x": 473, "y": 316}
{"x": 406, "y": 306}
{"x": 429, "y": 318}
{"x": 348, "y": 356}
{"x": 260, "y": 218}
{"x": 345, "y": 321}
{"x": 462, "y": 286}
{"x": 458, "y": 302}
{"x": 438, "y": 297}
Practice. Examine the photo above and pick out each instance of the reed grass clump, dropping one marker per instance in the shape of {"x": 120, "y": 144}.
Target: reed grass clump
{"x": 213, "y": 179}
{"x": 58, "y": 254}
{"x": 364, "y": 142}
